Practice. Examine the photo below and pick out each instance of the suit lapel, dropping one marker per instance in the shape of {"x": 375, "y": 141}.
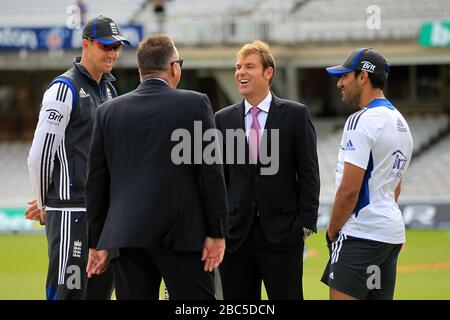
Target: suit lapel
{"x": 275, "y": 113}
{"x": 238, "y": 123}
{"x": 238, "y": 119}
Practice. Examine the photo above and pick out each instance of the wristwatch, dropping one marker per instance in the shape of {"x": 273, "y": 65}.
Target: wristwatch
{"x": 307, "y": 232}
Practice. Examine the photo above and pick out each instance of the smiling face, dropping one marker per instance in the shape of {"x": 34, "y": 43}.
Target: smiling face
{"x": 99, "y": 58}
{"x": 251, "y": 78}
{"x": 350, "y": 88}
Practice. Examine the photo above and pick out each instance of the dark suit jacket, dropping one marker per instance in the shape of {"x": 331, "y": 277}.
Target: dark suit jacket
{"x": 135, "y": 195}
{"x": 285, "y": 201}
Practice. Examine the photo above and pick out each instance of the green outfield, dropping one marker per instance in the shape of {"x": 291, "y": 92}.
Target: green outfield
{"x": 423, "y": 270}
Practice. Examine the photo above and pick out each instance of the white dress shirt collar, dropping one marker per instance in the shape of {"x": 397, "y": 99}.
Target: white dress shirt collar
{"x": 263, "y": 105}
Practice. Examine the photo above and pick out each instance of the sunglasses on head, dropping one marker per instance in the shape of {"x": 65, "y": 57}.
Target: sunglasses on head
{"x": 108, "y": 47}
{"x": 179, "y": 61}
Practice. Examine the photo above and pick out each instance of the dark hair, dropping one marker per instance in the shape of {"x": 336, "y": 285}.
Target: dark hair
{"x": 154, "y": 54}
{"x": 376, "y": 80}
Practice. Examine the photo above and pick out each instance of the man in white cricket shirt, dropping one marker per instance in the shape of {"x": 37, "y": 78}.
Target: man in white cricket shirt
{"x": 366, "y": 230}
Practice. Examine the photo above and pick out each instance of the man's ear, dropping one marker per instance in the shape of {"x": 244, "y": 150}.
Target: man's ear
{"x": 84, "y": 43}
{"x": 173, "y": 69}
{"x": 268, "y": 73}
{"x": 363, "y": 77}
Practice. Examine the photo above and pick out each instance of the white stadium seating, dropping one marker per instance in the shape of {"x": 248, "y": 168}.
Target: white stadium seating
{"x": 235, "y": 21}
{"x": 211, "y": 22}
{"x": 428, "y": 176}
{"x": 35, "y": 13}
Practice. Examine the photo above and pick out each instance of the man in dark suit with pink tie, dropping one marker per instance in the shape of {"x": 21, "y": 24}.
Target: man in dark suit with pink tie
{"x": 271, "y": 212}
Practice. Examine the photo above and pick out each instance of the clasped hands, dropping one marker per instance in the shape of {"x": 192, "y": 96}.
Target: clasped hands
{"x": 212, "y": 255}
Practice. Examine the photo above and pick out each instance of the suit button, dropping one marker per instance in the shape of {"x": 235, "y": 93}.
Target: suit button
{"x": 253, "y": 203}
{"x": 256, "y": 179}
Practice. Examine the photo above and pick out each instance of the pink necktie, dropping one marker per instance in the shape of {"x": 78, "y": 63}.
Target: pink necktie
{"x": 253, "y": 136}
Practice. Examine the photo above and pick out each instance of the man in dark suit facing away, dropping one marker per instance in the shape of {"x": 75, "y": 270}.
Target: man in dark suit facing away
{"x": 274, "y": 194}
{"x": 165, "y": 217}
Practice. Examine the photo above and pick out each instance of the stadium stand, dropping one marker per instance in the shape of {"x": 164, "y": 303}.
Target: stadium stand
{"x": 35, "y": 13}
{"x": 321, "y": 28}
{"x": 15, "y": 187}
{"x": 293, "y": 21}
{"x": 426, "y": 129}
{"x": 428, "y": 175}
{"x": 329, "y": 132}
{"x": 289, "y": 21}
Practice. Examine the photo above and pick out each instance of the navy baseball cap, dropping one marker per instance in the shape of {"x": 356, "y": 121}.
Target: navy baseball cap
{"x": 363, "y": 59}
{"x": 104, "y": 30}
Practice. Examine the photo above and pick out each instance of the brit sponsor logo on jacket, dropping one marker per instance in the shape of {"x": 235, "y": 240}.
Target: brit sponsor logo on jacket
{"x": 399, "y": 166}
{"x": 54, "y": 117}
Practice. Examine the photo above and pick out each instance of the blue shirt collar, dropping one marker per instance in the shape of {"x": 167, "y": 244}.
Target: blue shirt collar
{"x": 380, "y": 102}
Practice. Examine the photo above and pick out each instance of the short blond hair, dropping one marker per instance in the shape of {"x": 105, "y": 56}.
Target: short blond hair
{"x": 261, "y": 48}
